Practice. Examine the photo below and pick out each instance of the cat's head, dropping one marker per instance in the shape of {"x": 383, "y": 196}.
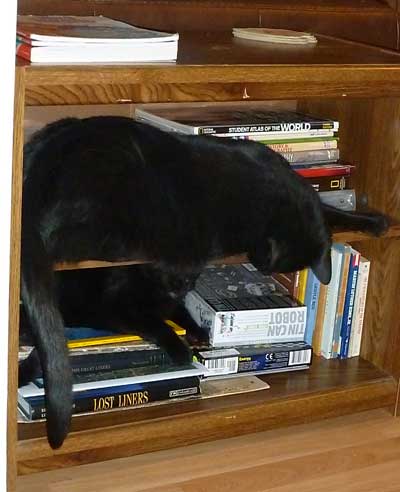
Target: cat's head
{"x": 301, "y": 240}
{"x": 287, "y": 257}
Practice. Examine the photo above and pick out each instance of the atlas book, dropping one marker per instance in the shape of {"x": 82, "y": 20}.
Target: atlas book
{"x": 70, "y": 39}
{"x": 235, "y": 119}
{"x": 238, "y": 305}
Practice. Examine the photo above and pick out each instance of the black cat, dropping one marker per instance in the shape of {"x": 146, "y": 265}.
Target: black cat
{"x": 110, "y": 188}
{"x": 125, "y": 299}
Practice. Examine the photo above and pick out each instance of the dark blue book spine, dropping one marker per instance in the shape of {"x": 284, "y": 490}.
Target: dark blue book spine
{"x": 122, "y": 397}
{"x": 111, "y": 361}
{"x": 349, "y": 304}
{"x": 311, "y": 301}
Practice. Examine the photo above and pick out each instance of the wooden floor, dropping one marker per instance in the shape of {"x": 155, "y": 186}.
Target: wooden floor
{"x": 357, "y": 453}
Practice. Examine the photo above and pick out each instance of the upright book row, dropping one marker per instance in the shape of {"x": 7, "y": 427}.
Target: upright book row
{"x": 335, "y": 311}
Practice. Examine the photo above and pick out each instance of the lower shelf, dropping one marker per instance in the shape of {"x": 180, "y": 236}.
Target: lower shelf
{"x": 328, "y": 389}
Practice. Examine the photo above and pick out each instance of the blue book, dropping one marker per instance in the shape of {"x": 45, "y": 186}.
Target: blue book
{"x": 346, "y": 251}
{"x": 349, "y": 304}
{"x": 311, "y": 301}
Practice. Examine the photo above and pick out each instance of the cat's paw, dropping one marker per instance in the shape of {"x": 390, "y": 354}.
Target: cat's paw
{"x": 378, "y": 224}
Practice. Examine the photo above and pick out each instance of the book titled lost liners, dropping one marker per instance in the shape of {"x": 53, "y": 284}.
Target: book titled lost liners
{"x": 117, "y": 397}
{"x": 238, "y": 305}
{"x": 117, "y": 389}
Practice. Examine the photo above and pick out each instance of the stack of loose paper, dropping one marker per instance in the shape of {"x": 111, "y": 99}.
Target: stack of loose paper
{"x": 283, "y": 36}
{"x": 85, "y": 39}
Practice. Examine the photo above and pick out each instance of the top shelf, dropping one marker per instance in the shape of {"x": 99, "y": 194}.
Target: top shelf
{"x": 217, "y": 67}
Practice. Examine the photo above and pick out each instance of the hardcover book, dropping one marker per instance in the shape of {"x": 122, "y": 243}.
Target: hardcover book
{"x": 117, "y": 389}
{"x": 211, "y": 119}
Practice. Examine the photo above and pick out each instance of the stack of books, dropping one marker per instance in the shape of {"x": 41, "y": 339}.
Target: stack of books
{"x": 115, "y": 371}
{"x": 309, "y": 143}
{"x": 270, "y": 35}
{"x": 336, "y": 311}
{"x": 251, "y": 324}
{"x": 86, "y": 39}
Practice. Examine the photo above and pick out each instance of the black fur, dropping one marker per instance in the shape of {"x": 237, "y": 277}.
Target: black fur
{"x": 110, "y": 188}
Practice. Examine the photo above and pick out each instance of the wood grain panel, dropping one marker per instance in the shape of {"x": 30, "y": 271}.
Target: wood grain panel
{"x": 369, "y": 138}
{"x": 14, "y": 284}
{"x": 215, "y": 67}
{"x": 329, "y": 388}
{"x": 291, "y": 447}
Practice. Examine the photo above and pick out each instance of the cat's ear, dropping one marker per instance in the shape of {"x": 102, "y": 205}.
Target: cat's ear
{"x": 323, "y": 267}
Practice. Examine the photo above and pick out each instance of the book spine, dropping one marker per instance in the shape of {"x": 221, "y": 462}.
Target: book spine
{"x": 109, "y": 361}
{"x": 302, "y": 146}
{"x": 319, "y": 322}
{"x": 330, "y": 183}
{"x": 318, "y": 171}
{"x": 241, "y": 360}
{"x": 303, "y": 275}
{"x": 341, "y": 300}
{"x": 270, "y": 128}
{"x": 23, "y": 50}
{"x": 331, "y": 303}
{"x": 349, "y": 304}
{"x": 144, "y": 394}
{"x": 359, "y": 308}
{"x": 311, "y": 301}
{"x": 323, "y": 155}
{"x": 267, "y": 138}
{"x": 342, "y": 199}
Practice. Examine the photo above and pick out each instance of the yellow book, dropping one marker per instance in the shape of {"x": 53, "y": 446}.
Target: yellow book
{"x": 118, "y": 338}
{"x": 302, "y": 285}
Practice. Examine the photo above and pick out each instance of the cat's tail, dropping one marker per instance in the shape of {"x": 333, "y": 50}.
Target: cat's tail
{"x": 372, "y": 222}
{"x": 47, "y": 327}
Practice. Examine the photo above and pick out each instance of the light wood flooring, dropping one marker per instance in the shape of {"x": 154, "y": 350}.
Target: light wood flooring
{"x": 357, "y": 453}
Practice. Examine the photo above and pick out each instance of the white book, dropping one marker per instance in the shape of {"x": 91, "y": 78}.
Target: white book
{"x": 331, "y": 304}
{"x": 359, "y": 307}
{"x": 92, "y": 53}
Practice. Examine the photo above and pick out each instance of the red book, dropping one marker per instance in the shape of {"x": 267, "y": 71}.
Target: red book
{"x": 317, "y": 171}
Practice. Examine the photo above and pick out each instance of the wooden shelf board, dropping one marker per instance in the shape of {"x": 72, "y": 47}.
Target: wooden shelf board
{"x": 340, "y": 236}
{"x": 217, "y": 67}
{"x": 329, "y": 388}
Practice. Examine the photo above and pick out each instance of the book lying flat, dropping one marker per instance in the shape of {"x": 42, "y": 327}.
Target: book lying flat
{"x": 113, "y": 380}
{"x": 283, "y": 36}
{"x": 235, "y": 119}
{"x": 84, "y": 39}
{"x": 45, "y": 30}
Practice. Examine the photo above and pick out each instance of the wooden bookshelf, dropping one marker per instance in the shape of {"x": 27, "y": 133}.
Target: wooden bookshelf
{"x": 329, "y": 388}
{"x": 359, "y": 85}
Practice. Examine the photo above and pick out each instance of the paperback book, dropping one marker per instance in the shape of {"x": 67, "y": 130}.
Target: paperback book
{"x": 238, "y": 305}
{"x": 70, "y": 39}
